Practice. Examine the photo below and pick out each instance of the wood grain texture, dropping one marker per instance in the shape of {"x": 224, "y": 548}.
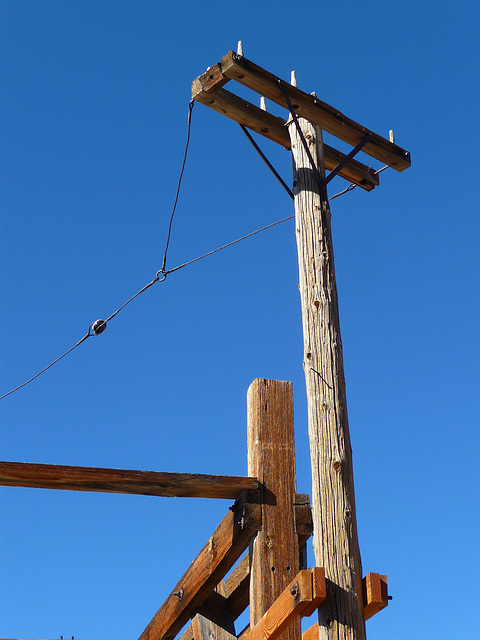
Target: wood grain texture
{"x": 214, "y": 621}
{"x": 335, "y": 541}
{"x": 285, "y": 611}
{"x": 146, "y": 483}
{"x": 274, "y": 553}
{"x": 273, "y": 128}
{"x": 307, "y": 106}
{"x": 220, "y": 553}
{"x": 237, "y": 584}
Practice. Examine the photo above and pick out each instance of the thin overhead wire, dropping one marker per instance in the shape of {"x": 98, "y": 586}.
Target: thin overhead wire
{"x": 87, "y": 335}
{"x": 190, "y": 109}
{"x": 97, "y": 327}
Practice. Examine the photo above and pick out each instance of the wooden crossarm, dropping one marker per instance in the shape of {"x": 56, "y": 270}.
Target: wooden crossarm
{"x": 317, "y": 112}
{"x": 274, "y": 128}
{"x": 223, "y": 549}
{"x": 147, "y": 483}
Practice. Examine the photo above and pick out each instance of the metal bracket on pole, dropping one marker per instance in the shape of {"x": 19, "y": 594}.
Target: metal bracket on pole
{"x": 322, "y": 181}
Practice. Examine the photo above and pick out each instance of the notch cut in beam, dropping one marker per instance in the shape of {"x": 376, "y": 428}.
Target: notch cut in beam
{"x": 274, "y": 128}
{"x": 220, "y": 553}
{"x": 238, "y": 68}
{"x": 146, "y": 483}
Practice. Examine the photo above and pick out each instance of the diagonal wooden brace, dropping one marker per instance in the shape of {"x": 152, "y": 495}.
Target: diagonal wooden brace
{"x": 303, "y": 595}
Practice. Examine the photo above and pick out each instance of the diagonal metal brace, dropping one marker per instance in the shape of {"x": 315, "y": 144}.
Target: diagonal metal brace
{"x": 322, "y": 182}
{"x": 349, "y": 157}
{"x": 267, "y": 162}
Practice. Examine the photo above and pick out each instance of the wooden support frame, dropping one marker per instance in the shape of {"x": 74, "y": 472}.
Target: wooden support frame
{"x": 208, "y": 89}
{"x": 237, "y": 584}
{"x": 238, "y": 68}
{"x": 274, "y": 128}
{"x": 301, "y": 597}
{"x": 220, "y": 553}
{"x": 274, "y": 553}
{"x": 214, "y": 619}
{"x": 146, "y": 483}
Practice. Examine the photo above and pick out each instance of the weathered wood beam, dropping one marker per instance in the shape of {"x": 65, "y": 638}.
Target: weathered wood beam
{"x": 236, "y": 592}
{"x": 273, "y": 128}
{"x": 237, "y": 584}
{"x": 274, "y": 553}
{"x": 220, "y": 553}
{"x": 375, "y": 594}
{"x": 335, "y": 541}
{"x": 375, "y": 598}
{"x": 314, "y": 110}
{"x": 147, "y": 483}
{"x": 213, "y": 620}
{"x": 297, "y": 598}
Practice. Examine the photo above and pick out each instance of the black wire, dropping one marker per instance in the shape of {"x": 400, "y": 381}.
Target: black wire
{"x": 100, "y": 325}
{"x": 50, "y": 365}
{"x": 190, "y": 108}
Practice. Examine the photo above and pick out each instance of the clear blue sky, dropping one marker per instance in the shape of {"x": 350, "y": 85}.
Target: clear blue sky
{"x": 93, "y": 111}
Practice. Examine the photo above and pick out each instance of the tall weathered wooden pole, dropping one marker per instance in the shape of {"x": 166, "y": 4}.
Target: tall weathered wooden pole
{"x": 335, "y": 539}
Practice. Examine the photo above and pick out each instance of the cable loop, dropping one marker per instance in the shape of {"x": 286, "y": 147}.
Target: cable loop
{"x": 164, "y": 274}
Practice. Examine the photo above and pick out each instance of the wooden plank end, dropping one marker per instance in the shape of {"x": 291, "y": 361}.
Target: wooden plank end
{"x": 375, "y": 594}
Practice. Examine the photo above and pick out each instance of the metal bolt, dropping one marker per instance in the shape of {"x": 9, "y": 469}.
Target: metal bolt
{"x": 294, "y": 589}
{"x": 179, "y": 594}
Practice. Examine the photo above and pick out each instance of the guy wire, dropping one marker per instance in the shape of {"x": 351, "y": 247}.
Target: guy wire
{"x": 99, "y": 326}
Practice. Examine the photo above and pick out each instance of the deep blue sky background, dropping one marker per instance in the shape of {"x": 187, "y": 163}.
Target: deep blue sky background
{"x": 93, "y": 111}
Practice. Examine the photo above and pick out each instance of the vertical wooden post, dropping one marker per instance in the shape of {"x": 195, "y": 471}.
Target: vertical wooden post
{"x": 335, "y": 539}
{"x": 274, "y": 554}
{"x": 214, "y": 621}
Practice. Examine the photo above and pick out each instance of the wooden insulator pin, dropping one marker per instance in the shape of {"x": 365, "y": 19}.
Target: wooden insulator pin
{"x": 240, "y": 48}
{"x": 263, "y": 104}
{"x": 391, "y": 136}
{"x": 293, "y": 79}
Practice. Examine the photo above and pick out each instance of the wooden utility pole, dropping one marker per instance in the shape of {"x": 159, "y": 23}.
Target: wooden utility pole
{"x": 335, "y": 540}
{"x": 334, "y": 519}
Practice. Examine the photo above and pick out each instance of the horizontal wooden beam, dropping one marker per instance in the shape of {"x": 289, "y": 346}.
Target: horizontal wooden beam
{"x": 274, "y": 128}
{"x": 307, "y": 106}
{"x": 220, "y": 553}
{"x": 146, "y": 483}
{"x": 375, "y": 594}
